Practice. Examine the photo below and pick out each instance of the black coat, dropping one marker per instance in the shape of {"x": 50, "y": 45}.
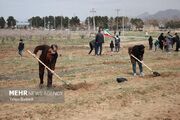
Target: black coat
{"x": 21, "y": 46}
{"x": 117, "y": 41}
{"x": 111, "y": 45}
{"x": 137, "y": 51}
{"x": 177, "y": 40}
{"x": 150, "y": 41}
{"x": 161, "y": 39}
{"x": 99, "y": 38}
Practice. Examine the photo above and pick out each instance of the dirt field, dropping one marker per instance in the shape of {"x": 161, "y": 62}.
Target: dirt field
{"x": 101, "y": 98}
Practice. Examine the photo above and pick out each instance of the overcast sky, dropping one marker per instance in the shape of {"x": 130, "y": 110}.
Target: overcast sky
{"x": 24, "y": 9}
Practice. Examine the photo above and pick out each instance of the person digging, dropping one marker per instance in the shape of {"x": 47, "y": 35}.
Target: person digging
{"x": 48, "y": 56}
{"x": 138, "y": 52}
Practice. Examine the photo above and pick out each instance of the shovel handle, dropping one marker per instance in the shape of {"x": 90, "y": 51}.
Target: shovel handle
{"x": 142, "y": 62}
{"x": 46, "y": 66}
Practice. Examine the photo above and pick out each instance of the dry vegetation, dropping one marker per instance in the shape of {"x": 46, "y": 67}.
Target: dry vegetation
{"x": 101, "y": 98}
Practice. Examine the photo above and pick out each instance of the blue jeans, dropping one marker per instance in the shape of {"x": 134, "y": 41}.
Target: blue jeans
{"x": 98, "y": 47}
{"x": 140, "y": 67}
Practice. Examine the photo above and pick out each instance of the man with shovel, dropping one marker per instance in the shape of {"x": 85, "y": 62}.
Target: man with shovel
{"x": 138, "y": 52}
{"x": 48, "y": 56}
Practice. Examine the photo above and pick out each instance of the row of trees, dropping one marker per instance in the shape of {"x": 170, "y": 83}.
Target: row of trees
{"x": 52, "y": 22}
{"x": 106, "y": 22}
{"x": 173, "y": 24}
{"x": 11, "y": 22}
{"x": 61, "y": 22}
{"x": 112, "y": 23}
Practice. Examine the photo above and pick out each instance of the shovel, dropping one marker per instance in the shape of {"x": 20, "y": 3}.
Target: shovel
{"x": 154, "y": 72}
{"x": 67, "y": 85}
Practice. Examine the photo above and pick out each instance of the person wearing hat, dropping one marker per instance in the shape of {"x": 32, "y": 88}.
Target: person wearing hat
{"x": 138, "y": 52}
{"x": 21, "y": 47}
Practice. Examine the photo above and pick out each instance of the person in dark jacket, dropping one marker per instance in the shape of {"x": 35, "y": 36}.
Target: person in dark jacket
{"x": 99, "y": 40}
{"x": 156, "y": 45}
{"x": 91, "y": 45}
{"x": 21, "y": 47}
{"x": 117, "y": 43}
{"x": 166, "y": 44}
{"x": 138, "y": 52}
{"x": 161, "y": 39}
{"x": 170, "y": 40}
{"x": 48, "y": 56}
{"x": 150, "y": 43}
{"x": 112, "y": 45}
{"x": 177, "y": 41}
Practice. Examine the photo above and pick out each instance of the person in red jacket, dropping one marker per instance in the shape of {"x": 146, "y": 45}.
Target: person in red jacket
{"x": 48, "y": 56}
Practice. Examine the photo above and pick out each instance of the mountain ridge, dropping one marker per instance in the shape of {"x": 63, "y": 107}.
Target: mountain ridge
{"x": 161, "y": 15}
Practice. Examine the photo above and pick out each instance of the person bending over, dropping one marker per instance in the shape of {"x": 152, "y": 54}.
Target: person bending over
{"x": 48, "y": 56}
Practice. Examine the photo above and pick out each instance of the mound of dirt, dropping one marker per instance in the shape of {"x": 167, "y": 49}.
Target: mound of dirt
{"x": 77, "y": 86}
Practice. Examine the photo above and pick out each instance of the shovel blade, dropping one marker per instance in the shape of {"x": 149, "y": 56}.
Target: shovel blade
{"x": 156, "y": 74}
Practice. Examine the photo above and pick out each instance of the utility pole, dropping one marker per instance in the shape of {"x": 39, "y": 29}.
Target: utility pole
{"x": 68, "y": 23}
{"x": 54, "y": 22}
{"x": 123, "y": 23}
{"x": 61, "y": 22}
{"x": 88, "y": 24}
{"x": 44, "y": 22}
{"x": 93, "y": 12}
{"x": 117, "y": 11}
{"x": 31, "y": 23}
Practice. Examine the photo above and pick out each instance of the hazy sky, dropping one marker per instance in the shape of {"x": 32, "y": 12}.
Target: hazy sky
{"x": 24, "y": 9}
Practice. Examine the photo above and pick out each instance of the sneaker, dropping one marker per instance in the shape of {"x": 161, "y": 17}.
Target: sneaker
{"x": 134, "y": 74}
{"x": 142, "y": 74}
